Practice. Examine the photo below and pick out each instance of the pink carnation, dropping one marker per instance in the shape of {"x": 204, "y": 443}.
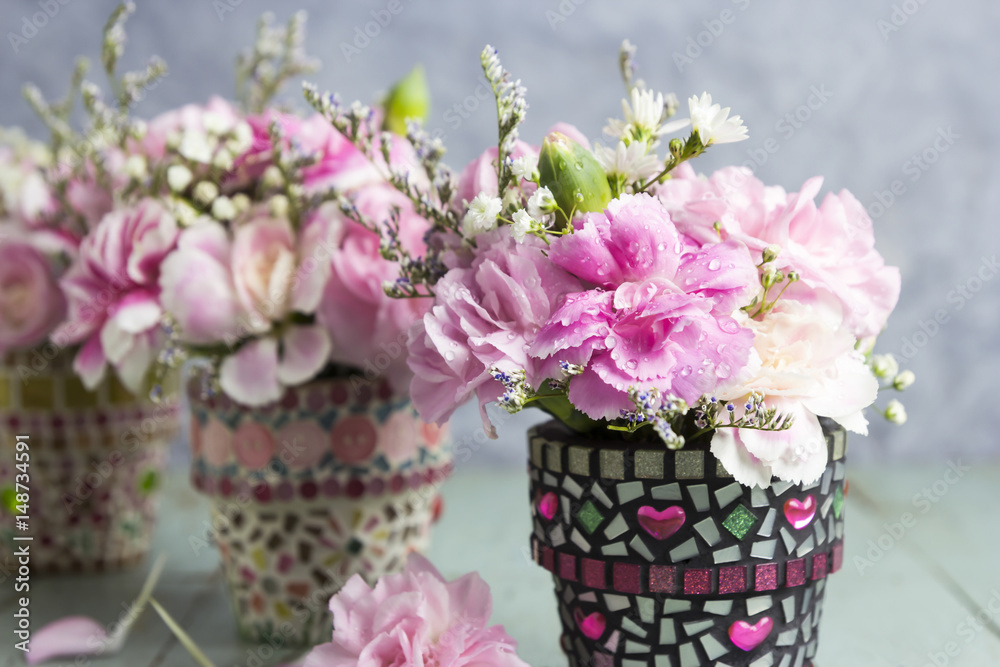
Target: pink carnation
{"x": 113, "y": 292}
{"x": 484, "y": 315}
{"x": 831, "y": 246}
{"x": 367, "y": 327}
{"x": 31, "y": 303}
{"x": 415, "y": 619}
{"x": 666, "y": 321}
{"x": 222, "y": 291}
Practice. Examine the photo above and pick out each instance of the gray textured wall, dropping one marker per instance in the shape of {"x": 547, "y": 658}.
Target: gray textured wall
{"x": 896, "y": 76}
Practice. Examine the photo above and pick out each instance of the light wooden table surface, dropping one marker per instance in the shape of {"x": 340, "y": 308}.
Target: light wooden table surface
{"x": 921, "y": 572}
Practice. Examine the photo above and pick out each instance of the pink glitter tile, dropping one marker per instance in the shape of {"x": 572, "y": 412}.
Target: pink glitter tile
{"x": 766, "y": 577}
{"x": 626, "y": 578}
{"x": 795, "y": 572}
{"x": 838, "y": 558}
{"x": 819, "y": 566}
{"x": 662, "y": 579}
{"x": 697, "y": 582}
{"x": 732, "y": 580}
{"x": 603, "y": 660}
{"x": 593, "y": 573}
{"x": 548, "y": 559}
{"x": 567, "y": 567}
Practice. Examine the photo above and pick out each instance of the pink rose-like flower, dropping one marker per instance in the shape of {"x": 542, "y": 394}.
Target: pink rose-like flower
{"x": 368, "y": 328}
{"x": 31, "y": 303}
{"x": 483, "y": 316}
{"x": 113, "y": 293}
{"x": 417, "y": 619}
{"x": 667, "y": 321}
{"x": 804, "y": 364}
{"x": 230, "y": 291}
{"x": 832, "y": 246}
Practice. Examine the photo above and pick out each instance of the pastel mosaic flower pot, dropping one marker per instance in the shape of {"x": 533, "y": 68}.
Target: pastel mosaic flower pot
{"x": 95, "y": 461}
{"x": 338, "y": 478}
{"x": 661, "y": 558}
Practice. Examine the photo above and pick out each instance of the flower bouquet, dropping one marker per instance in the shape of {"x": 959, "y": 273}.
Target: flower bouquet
{"x": 75, "y": 276}
{"x": 302, "y": 432}
{"x": 702, "y": 344}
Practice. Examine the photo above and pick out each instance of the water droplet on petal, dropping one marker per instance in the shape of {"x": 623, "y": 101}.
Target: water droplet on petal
{"x": 632, "y": 364}
{"x": 714, "y": 265}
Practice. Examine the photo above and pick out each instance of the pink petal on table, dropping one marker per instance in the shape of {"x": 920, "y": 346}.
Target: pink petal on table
{"x": 74, "y": 635}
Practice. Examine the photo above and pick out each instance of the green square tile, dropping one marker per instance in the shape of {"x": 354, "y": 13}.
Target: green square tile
{"x": 579, "y": 460}
{"x": 720, "y": 471}
{"x": 740, "y": 521}
{"x": 689, "y": 464}
{"x": 838, "y": 501}
{"x": 649, "y": 464}
{"x": 589, "y": 517}
{"x": 612, "y": 464}
{"x": 553, "y": 456}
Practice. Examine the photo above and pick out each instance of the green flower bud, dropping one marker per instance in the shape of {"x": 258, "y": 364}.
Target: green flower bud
{"x": 408, "y": 99}
{"x": 771, "y": 252}
{"x": 574, "y": 176}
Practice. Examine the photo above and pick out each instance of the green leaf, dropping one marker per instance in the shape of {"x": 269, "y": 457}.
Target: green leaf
{"x": 408, "y": 99}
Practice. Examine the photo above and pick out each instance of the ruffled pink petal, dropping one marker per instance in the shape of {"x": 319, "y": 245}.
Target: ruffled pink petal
{"x": 74, "y": 635}
{"x": 740, "y": 463}
{"x": 723, "y": 273}
{"x": 305, "y": 350}
{"x": 138, "y": 311}
{"x": 250, "y": 375}
{"x": 594, "y": 397}
{"x": 90, "y": 363}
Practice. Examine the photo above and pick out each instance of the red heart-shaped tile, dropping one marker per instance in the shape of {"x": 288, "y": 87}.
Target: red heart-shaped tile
{"x": 661, "y": 525}
{"x": 748, "y": 637}
{"x": 548, "y": 504}
{"x": 591, "y": 625}
{"x": 800, "y": 512}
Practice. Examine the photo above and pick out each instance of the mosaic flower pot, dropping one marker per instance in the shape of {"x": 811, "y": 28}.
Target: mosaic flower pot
{"x": 661, "y": 558}
{"x": 338, "y": 478}
{"x": 95, "y": 463}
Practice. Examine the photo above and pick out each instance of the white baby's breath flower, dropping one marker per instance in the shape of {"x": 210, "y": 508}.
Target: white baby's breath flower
{"x": 195, "y": 146}
{"x": 541, "y": 203}
{"x": 223, "y": 159}
{"x": 522, "y": 225}
{"x": 895, "y": 412}
{"x": 135, "y": 167}
{"x": 241, "y": 139}
{"x": 205, "y": 192}
{"x": 885, "y": 365}
{"x": 241, "y": 202}
{"x": 482, "y": 215}
{"x": 178, "y": 177}
{"x": 272, "y": 178}
{"x": 215, "y": 123}
{"x": 278, "y": 205}
{"x": 712, "y": 122}
{"x": 643, "y": 118}
{"x": 524, "y": 166}
{"x": 631, "y": 162}
{"x": 223, "y": 209}
{"x": 904, "y": 380}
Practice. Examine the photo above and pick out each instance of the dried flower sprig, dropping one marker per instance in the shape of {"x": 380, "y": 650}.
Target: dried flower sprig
{"x": 511, "y": 110}
{"x": 277, "y": 56}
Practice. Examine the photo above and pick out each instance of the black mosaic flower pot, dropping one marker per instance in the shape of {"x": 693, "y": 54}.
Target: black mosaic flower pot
{"x": 661, "y": 559}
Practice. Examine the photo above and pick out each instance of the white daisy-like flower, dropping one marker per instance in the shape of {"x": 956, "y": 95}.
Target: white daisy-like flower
{"x": 630, "y": 162}
{"x": 522, "y": 225}
{"x": 712, "y": 122}
{"x": 642, "y": 117}
{"x": 524, "y": 166}
{"x": 541, "y": 203}
{"x": 482, "y": 215}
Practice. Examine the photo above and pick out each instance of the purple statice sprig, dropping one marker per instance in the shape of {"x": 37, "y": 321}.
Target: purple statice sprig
{"x": 512, "y": 106}
{"x": 711, "y": 413}
{"x": 664, "y": 413}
